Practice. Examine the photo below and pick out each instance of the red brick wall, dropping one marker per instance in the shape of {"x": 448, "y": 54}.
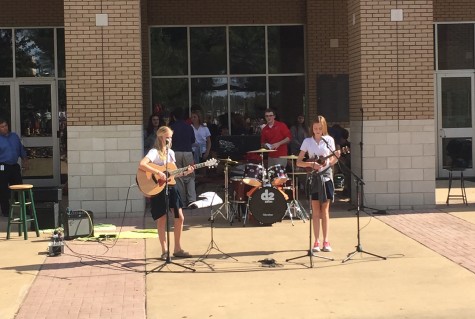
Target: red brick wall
{"x": 326, "y": 20}
{"x": 454, "y": 10}
{"x": 31, "y": 13}
{"x": 192, "y": 12}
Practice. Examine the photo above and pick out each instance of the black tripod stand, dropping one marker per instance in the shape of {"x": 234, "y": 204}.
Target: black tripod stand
{"x": 167, "y": 206}
{"x": 309, "y": 251}
{"x": 212, "y": 244}
{"x": 359, "y": 249}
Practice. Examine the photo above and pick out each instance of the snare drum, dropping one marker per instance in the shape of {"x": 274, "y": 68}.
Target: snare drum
{"x": 238, "y": 190}
{"x": 268, "y": 205}
{"x": 277, "y": 175}
{"x": 253, "y": 174}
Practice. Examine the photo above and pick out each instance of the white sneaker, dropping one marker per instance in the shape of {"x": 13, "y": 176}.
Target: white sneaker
{"x": 326, "y": 247}
{"x": 316, "y": 247}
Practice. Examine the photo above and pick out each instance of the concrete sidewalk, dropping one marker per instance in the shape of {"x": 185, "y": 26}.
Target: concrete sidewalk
{"x": 429, "y": 271}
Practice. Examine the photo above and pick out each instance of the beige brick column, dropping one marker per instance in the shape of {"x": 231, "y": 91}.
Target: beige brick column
{"x": 104, "y": 103}
{"x": 392, "y": 101}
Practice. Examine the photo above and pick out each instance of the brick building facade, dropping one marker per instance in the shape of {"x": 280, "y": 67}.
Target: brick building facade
{"x": 389, "y": 63}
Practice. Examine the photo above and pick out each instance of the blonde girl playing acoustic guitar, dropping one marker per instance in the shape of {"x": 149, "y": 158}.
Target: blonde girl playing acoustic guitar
{"x": 319, "y": 148}
{"x": 157, "y": 155}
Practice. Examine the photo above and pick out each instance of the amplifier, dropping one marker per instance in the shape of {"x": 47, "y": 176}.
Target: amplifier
{"x": 78, "y": 223}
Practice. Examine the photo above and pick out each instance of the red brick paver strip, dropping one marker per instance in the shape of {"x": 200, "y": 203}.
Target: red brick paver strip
{"x": 444, "y": 233}
{"x": 90, "y": 280}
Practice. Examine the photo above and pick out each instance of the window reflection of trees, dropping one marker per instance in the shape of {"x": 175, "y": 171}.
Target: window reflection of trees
{"x": 170, "y": 93}
{"x": 169, "y": 51}
{"x": 208, "y": 50}
{"x": 247, "y": 50}
{"x": 6, "y": 56}
{"x": 34, "y": 52}
{"x": 241, "y": 95}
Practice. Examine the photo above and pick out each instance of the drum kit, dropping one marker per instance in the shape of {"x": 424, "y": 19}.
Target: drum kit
{"x": 268, "y": 194}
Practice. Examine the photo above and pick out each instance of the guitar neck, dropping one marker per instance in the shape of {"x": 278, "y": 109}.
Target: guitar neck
{"x": 183, "y": 169}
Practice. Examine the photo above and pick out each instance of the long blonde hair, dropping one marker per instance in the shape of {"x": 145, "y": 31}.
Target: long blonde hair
{"x": 321, "y": 120}
{"x": 160, "y": 143}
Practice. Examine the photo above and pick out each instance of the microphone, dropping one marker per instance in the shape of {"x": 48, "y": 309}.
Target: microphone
{"x": 167, "y": 142}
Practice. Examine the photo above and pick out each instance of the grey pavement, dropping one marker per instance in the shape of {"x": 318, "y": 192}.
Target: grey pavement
{"x": 429, "y": 270}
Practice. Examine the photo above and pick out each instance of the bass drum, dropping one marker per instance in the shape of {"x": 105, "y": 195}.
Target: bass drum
{"x": 268, "y": 205}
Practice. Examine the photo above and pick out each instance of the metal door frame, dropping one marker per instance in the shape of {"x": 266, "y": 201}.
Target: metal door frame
{"x": 40, "y": 141}
{"x": 453, "y": 132}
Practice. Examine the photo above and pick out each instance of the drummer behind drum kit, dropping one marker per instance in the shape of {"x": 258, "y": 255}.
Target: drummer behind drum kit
{"x": 269, "y": 194}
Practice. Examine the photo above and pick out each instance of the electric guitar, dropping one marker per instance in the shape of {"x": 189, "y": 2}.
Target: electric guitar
{"x": 321, "y": 159}
{"x": 150, "y": 185}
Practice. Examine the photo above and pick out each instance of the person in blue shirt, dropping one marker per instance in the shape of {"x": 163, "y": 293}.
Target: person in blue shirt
{"x": 11, "y": 149}
{"x": 183, "y": 140}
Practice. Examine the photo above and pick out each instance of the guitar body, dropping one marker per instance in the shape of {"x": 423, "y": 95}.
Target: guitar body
{"x": 149, "y": 184}
{"x": 321, "y": 159}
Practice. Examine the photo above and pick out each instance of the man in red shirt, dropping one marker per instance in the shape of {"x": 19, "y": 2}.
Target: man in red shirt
{"x": 275, "y": 136}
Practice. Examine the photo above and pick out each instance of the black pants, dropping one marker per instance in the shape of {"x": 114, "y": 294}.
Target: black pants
{"x": 10, "y": 175}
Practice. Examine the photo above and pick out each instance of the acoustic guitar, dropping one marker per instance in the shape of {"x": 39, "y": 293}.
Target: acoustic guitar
{"x": 149, "y": 183}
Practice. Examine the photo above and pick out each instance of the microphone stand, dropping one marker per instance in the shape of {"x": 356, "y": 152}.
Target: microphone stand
{"x": 359, "y": 248}
{"x": 167, "y": 208}
{"x": 361, "y": 163}
{"x": 310, "y": 222}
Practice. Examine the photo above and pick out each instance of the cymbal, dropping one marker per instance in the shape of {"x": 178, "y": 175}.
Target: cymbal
{"x": 297, "y": 173}
{"x": 227, "y": 161}
{"x": 262, "y": 150}
{"x": 291, "y": 157}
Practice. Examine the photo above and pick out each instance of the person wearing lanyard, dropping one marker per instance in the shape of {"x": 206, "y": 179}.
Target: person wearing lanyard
{"x": 11, "y": 149}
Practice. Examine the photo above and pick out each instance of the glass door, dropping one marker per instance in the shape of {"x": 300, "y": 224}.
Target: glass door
{"x": 6, "y": 99}
{"x": 37, "y": 124}
{"x": 455, "y": 103}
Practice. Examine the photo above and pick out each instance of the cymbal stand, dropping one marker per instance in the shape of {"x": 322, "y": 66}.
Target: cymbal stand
{"x": 310, "y": 253}
{"x": 226, "y": 207}
{"x": 294, "y": 204}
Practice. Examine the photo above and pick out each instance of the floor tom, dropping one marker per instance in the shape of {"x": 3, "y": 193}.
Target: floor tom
{"x": 238, "y": 190}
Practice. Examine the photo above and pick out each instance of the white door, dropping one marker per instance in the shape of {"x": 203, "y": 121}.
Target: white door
{"x": 455, "y": 109}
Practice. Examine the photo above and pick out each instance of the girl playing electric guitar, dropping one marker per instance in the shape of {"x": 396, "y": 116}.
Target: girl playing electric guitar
{"x": 320, "y": 148}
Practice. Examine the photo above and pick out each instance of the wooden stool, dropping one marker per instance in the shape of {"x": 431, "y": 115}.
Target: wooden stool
{"x": 462, "y": 186}
{"x": 21, "y": 191}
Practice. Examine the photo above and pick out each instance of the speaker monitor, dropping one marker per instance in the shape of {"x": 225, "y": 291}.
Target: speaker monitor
{"x": 78, "y": 223}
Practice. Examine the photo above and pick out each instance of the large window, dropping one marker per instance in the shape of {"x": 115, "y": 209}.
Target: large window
{"x": 455, "y": 46}
{"x": 232, "y": 73}
{"x": 31, "y": 53}
{"x": 6, "y": 53}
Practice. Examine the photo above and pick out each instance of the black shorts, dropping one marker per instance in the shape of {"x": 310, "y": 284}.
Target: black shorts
{"x": 158, "y": 203}
{"x": 330, "y": 191}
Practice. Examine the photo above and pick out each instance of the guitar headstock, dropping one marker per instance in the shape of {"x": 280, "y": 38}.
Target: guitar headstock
{"x": 345, "y": 150}
{"x": 211, "y": 162}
